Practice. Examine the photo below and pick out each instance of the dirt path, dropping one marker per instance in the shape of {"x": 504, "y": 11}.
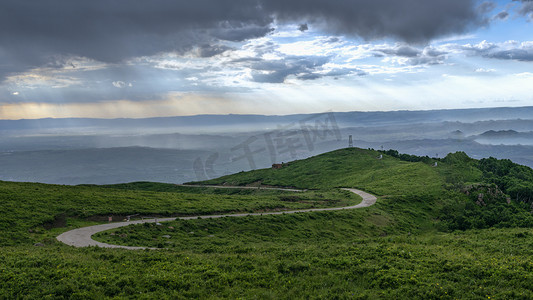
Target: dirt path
{"x": 81, "y": 237}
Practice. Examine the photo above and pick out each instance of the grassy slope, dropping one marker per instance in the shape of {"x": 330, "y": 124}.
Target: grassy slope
{"x": 388, "y": 250}
{"x": 412, "y": 194}
{"x": 350, "y": 167}
{"x": 30, "y": 206}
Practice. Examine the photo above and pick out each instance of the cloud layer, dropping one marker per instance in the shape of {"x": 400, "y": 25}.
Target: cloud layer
{"x": 510, "y": 50}
{"x": 37, "y": 33}
{"x": 304, "y": 54}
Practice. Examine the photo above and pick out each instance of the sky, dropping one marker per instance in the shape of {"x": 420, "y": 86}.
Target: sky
{"x": 136, "y": 58}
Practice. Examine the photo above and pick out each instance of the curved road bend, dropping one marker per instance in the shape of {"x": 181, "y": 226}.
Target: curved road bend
{"x": 81, "y": 237}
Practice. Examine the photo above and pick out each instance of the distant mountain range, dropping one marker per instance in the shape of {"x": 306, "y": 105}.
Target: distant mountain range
{"x": 179, "y": 149}
{"x": 260, "y": 121}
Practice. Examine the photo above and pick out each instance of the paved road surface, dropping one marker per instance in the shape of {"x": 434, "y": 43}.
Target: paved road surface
{"x": 81, "y": 237}
{"x": 243, "y": 187}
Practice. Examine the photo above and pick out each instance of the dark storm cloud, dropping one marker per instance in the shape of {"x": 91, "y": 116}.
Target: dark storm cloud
{"x": 32, "y": 32}
{"x": 277, "y": 71}
{"x": 303, "y": 27}
{"x": 300, "y": 67}
{"x": 405, "y": 51}
{"x": 487, "y": 7}
{"x": 501, "y": 16}
{"x": 526, "y": 9}
{"x": 408, "y": 20}
{"x": 35, "y": 32}
{"x": 426, "y": 56}
{"x": 212, "y": 50}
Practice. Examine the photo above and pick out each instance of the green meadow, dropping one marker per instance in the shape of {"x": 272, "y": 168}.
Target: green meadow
{"x": 458, "y": 230}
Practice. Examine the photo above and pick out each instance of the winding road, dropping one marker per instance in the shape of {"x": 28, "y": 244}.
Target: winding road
{"x": 82, "y": 237}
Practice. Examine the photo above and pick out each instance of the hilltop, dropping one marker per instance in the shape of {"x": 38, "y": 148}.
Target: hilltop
{"x": 350, "y": 167}
{"x": 445, "y": 188}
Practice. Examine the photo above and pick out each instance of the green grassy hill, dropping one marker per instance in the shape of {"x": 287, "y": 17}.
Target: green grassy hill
{"x": 353, "y": 167}
{"x": 446, "y": 192}
{"x": 462, "y": 229}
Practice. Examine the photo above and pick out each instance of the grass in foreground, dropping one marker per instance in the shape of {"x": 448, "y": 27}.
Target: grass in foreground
{"x": 28, "y": 210}
{"x": 493, "y": 263}
{"x": 401, "y": 247}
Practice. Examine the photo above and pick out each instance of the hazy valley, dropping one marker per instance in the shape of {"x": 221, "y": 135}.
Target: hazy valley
{"x": 181, "y": 149}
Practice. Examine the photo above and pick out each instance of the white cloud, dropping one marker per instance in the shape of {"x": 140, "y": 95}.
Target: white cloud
{"x": 509, "y": 50}
{"x": 318, "y": 46}
{"x": 40, "y": 78}
{"x": 483, "y": 70}
{"x": 121, "y": 84}
{"x": 524, "y": 75}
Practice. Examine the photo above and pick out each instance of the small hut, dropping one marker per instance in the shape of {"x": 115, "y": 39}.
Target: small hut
{"x": 277, "y": 166}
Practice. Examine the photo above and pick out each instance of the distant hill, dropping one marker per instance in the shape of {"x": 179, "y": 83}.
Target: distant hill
{"x": 505, "y": 137}
{"x": 500, "y": 133}
{"x": 262, "y": 121}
